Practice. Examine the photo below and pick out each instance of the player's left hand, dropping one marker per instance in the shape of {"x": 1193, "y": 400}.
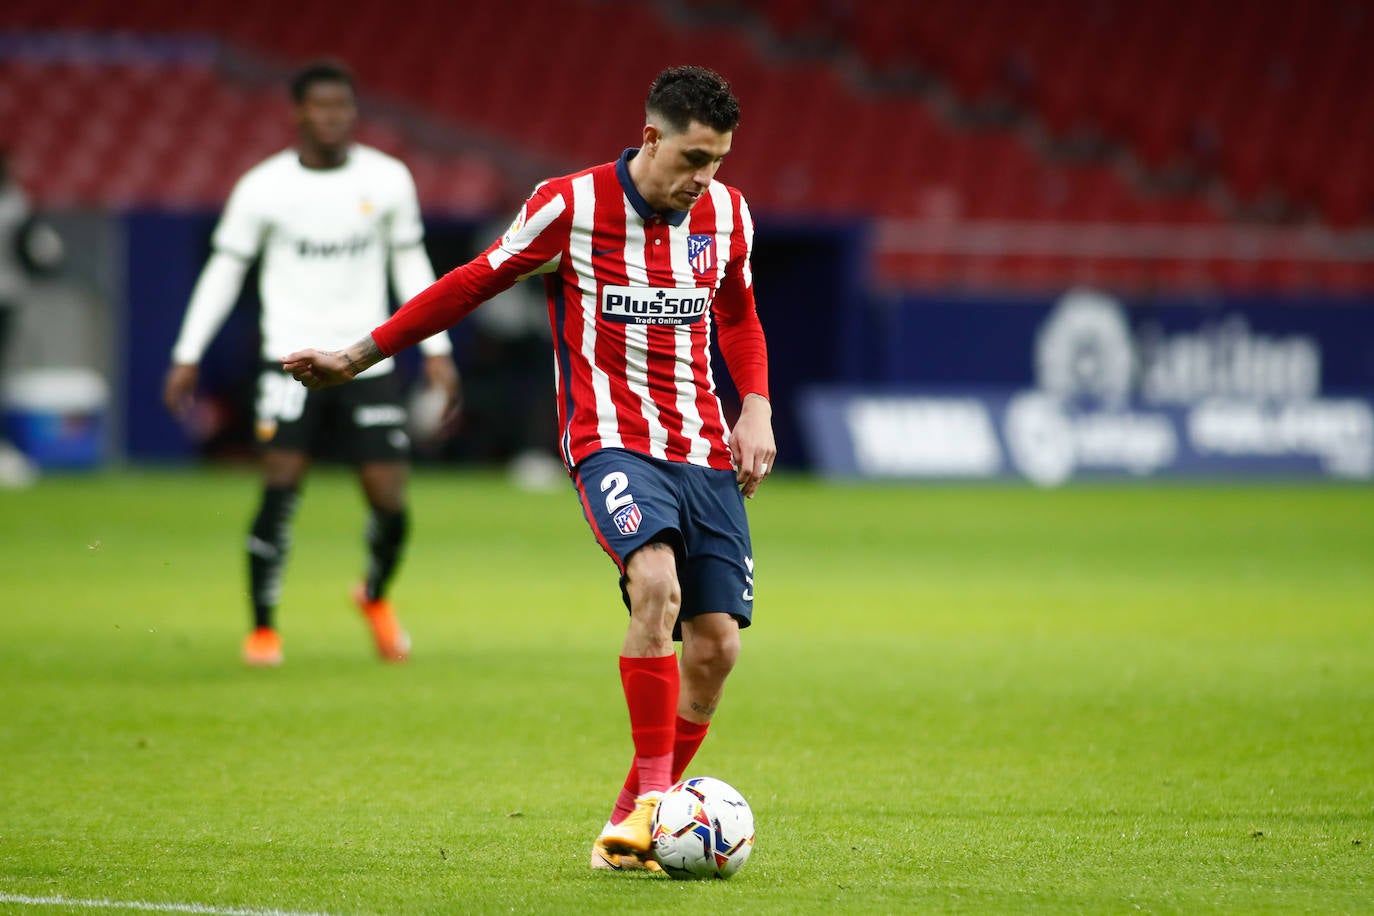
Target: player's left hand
{"x": 442, "y": 374}
{"x": 752, "y": 448}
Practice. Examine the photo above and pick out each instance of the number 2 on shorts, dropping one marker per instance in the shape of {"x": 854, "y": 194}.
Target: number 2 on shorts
{"x": 617, "y": 483}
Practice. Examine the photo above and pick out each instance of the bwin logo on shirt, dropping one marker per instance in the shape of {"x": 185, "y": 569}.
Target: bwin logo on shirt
{"x": 654, "y": 305}
{"x": 349, "y": 247}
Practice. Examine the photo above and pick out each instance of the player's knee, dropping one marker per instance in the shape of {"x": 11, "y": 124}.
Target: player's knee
{"x": 720, "y": 654}
{"x": 654, "y": 606}
{"x": 384, "y": 486}
{"x": 651, "y": 581}
{"x": 283, "y": 468}
{"x": 712, "y": 646}
{"x": 658, "y": 590}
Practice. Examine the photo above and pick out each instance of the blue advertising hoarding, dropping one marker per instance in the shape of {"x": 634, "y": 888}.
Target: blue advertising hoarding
{"x": 1090, "y": 386}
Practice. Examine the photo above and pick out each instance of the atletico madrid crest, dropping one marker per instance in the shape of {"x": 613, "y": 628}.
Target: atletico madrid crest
{"x": 701, "y": 253}
{"x": 628, "y": 519}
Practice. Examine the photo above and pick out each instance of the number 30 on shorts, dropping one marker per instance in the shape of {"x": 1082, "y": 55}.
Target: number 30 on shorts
{"x": 280, "y": 398}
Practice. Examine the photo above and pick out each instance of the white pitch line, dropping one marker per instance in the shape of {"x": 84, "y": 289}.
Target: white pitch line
{"x": 197, "y": 908}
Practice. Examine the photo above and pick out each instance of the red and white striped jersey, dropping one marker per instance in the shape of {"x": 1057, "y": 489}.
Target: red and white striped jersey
{"x": 632, "y": 295}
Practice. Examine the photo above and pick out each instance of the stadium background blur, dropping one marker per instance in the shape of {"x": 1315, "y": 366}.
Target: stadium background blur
{"x": 930, "y": 179}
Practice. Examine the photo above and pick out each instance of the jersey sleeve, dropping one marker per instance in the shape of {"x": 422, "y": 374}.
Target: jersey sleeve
{"x": 236, "y": 242}
{"x": 534, "y": 243}
{"x": 211, "y": 301}
{"x": 738, "y": 329}
{"x": 406, "y": 227}
{"x": 243, "y": 225}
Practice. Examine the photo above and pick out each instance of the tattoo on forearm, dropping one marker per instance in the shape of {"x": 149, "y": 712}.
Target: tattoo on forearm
{"x": 369, "y": 354}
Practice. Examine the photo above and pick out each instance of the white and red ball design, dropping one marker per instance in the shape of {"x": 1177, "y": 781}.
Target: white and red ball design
{"x": 702, "y": 828}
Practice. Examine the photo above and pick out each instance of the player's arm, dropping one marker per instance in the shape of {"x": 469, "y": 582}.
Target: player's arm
{"x": 215, "y": 293}
{"x": 740, "y": 335}
{"x": 438, "y": 307}
{"x": 411, "y": 270}
{"x": 236, "y": 242}
{"x": 530, "y": 246}
{"x": 411, "y": 273}
{"x": 327, "y": 368}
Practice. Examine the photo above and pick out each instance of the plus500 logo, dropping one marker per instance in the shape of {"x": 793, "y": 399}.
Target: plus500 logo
{"x": 654, "y": 305}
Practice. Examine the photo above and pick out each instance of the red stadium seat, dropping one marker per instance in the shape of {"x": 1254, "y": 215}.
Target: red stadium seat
{"x": 1266, "y": 101}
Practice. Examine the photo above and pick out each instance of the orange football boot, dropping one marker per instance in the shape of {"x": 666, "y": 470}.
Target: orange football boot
{"x": 262, "y": 648}
{"x": 393, "y": 644}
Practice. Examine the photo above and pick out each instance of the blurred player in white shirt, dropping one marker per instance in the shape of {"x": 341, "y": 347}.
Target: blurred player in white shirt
{"x": 328, "y": 219}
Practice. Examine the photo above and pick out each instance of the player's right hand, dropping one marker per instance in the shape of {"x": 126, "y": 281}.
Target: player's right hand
{"x": 318, "y": 368}
{"x": 179, "y": 389}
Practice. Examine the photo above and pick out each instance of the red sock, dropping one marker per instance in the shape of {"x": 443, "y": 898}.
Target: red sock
{"x": 689, "y": 738}
{"x": 651, "y": 688}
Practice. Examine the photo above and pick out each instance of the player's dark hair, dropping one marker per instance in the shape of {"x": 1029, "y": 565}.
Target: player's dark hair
{"x": 319, "y": 71}
{"x": 681, "y": 95}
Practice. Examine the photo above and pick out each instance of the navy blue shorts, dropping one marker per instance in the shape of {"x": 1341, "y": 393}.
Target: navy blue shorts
{"x": 631, "y": 500}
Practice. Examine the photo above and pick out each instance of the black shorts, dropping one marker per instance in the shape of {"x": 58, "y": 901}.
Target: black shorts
{"x": 363, "y": 421}
{"x": 631, "y": 500}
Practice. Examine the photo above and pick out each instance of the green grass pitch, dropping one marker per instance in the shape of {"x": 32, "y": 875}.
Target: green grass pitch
{"x": 955, "y": 699}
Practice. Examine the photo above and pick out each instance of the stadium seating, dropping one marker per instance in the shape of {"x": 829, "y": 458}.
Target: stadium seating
{"x": 850, "y": 152}
{"x": 1266, "y": 95}
{"x": 1178, "y": 85}
{"x": 176, "y": 134}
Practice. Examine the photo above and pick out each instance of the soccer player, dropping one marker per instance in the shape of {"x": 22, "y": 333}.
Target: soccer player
{"x": 327, "y": 217}
{"x": 639, "y": 255}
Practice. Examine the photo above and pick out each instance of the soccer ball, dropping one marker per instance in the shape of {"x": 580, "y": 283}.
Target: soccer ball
{"x": 702, "y": 828}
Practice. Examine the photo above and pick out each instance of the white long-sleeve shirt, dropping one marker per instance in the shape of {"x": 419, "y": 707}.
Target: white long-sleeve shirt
{"x": 326, "y": 238}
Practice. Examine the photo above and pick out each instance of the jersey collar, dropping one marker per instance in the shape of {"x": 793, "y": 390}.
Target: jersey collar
{"x": 347, "y": 161}
{"x": 646, "y": 212}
